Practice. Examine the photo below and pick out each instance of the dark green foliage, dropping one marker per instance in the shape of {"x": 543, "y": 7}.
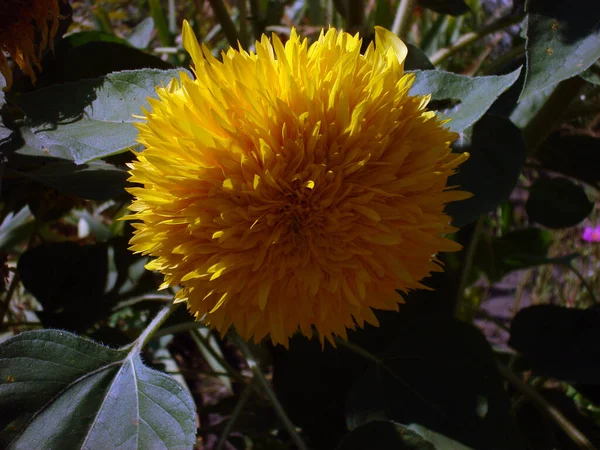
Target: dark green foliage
{"x": 563, "y": 39}
{"x": 58, "y": 390}
{"x": 557, "y": 203}
{"x": 441, "y": 374}
{"x": 497, "y": 154}
{"x": 559, "y": 342}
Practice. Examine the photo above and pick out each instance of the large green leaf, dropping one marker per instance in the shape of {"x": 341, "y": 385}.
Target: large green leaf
{"x": 95, "y": 180}
{"x": 557, "y": 203}
{"x": 497, "y": 154}
{"x": 90, "y": 119}
{"x": 58, "y": 390}
{"x": 93, "y": 54}
{"x": 472, "y": 96}
{"x": 439, "y": 373}
{"x": 563, "y": 40}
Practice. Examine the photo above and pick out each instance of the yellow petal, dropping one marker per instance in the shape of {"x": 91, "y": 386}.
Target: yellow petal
{"x": 386, "y": 40}
{"x": 190, "y": 43}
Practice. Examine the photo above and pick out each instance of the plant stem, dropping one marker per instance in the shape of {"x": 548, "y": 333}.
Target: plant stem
{"x": 235, "y": 414}
{"x": 142, "y": 298}
{"x": 468, "y": 261}
{"x": 546, "y": 408}
{"x": 160, "y": 22}
{"x": 262, "y": 382}
{"x": 551, "y": 113}
{"x": 200, "y": 341}
{"x": 402, "y": 19}
{"x": 257, "y": 19}
{"x": 586, "y": 285}
{"x": 244, "y": 36}
{"x": 225, "y": 20}
{"x": 473, "y": 36}
{"x": 358, "y": 350}
{"x": 355, "y": 15}
{"x": 152, "y": 327}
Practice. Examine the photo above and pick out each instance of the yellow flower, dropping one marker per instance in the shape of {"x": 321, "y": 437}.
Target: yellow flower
{"x": 20, "y": 20}
{"x": 297, "y": 187}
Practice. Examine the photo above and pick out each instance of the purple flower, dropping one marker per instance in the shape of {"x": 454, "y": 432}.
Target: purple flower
{"x": 591, "y": 234}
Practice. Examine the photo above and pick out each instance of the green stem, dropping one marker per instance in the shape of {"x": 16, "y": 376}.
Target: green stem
{"x": 262, "y": 381}
{"x": 235, "y": 414}
{"x": 199, "y": 340}
{"x": 355, "y": 15}
{"x": 473, "y": 36}
{"x": 586, "y": 285}
{"x": 244, "y": 36}
{"x": 225, "y": 20}
{"x": 160, "y": 22}
{"x": 152, "y": 327}
{"x": 358, "y": 350}
{"x": 403, "y": 16}
{"x": 257, "y": 19}
{"x": 142, "y": 298}
{"x": 468, "y": 261}
{"x": 546, "y": 408}
{"x": 551, "y": 113}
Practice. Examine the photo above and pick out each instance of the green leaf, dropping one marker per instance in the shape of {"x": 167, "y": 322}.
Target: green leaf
{"x": 592, "y": 75}
{"x": 526, "y": 109}
{"x": 58, "y": 390}
{"x": 519, "y": 249}
{"x": 439, "y": 373}
{"x": 85, "y": 37}
{"x": 563, "y": 40}
{"x": 141, "y": 35}
{"x": 577, "y": 156}
{"x": 452, "y": 7}
{"x": 90, "y": 119}
{"x": 416, "y": 59}
{"x": 94, "y": 54}
{"x": 557, "y": 203}
{"x": 69, "y": 281}
{"x": 95, "y": 180}
{"x": 497, "y": 154}
{"x": 473, "y": 96}
{"x": 559, "y": 342}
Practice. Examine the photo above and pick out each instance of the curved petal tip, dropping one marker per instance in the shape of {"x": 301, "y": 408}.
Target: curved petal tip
{"x": 385, "y": 41}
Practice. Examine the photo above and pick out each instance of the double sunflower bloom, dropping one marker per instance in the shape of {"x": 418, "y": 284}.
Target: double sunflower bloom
{"x": 297, "y": 187}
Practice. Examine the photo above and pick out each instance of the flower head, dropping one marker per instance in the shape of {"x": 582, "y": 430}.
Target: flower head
{"x": 20, "y": 20}
{"x": 298, "y": 187}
